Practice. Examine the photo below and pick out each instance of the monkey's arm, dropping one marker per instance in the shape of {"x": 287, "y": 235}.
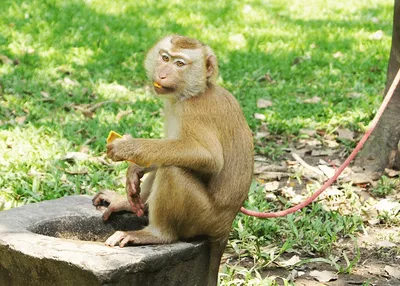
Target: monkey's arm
{"x": 205, "y": 155}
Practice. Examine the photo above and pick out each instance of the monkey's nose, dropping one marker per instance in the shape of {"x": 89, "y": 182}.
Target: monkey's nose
{"x": 162, "y": 76}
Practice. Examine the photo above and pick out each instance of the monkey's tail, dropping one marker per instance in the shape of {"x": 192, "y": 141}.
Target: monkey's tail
{"x": 353, "y": 154}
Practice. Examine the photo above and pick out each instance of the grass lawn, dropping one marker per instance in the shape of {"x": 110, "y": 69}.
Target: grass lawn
{"x": 70, "y": 71}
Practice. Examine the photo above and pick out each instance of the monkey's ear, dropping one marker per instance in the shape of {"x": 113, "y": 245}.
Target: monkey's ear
{"x": 211, "y": 65}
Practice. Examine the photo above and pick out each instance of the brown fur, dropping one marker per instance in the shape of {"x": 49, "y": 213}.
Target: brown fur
{"x": 182, "y": 43}
{"x": 204, "y": 166}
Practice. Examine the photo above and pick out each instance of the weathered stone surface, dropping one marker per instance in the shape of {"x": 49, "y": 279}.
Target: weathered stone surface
{"x": 30, "y": 255}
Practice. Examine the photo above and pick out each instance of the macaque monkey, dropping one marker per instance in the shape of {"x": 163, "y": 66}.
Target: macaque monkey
{"x": 200, "y": 173}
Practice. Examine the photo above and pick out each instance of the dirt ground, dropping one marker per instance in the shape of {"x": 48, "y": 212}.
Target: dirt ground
{"x": 379, "y": 245}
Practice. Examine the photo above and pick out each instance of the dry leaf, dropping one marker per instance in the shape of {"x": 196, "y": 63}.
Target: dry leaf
{"x": 374, "y": 221}
{"x": 330, "y": 143}
{"x": 84, "y": 171}
{"x": 271, "y": 186}
{"x": 123, "y": 113}
{"x": 309, "y": 132}
{"x": 260, "y": 135}
{"x": 378, "y": 35}
{"x": 328, "y": 171}
{"x": 267, "y": 77}
{"x": 288, "y": 192}
{"x": 311, "y": 142}
{"x": 355, "y": 95}
{"x": 314, "y": 99}
{"x": 385, "y": 244}
{"x": 262, "y": 167}
{"x": 76, "y": 156}
{"x": 388, "y": 206}
{"x": 20, "y": 119}
{"x": 264, "y": 103}
{"x": 292, "y": 261}
{"x": 392, "y": 173}
{"x": 84, "y": 149}
{"x": 316, "y": 153}
{"x": 393, "y": 271}
{"x": 269, "y": 176}
{"x": 259, "y": 116}
{"x": 345, "y": 134}
{"x": 45, "y": 94}
{"x": 297, "y": 199}
{"x": 323, "y": 276}
{"x": 6, "y": 60}
{"x": 358, "y": 178}
{"x": 69, "y": 81}
{"x": 332, "y": 191}
{"x": 270, "y": 197}
{"x": 337, "y": 55}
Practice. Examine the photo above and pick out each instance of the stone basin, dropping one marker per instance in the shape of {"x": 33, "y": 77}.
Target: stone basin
{"x": 61, "y": 242}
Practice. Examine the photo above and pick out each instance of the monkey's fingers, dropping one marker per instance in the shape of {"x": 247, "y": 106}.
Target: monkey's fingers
{"x": 101, "y": 199}
{"x": 111, "y": 152}
{"x": 119, "y": 237}
{"x": 133, "y": 186}
{"x": 107, "y": 212}
{"x": 136, "y": 205}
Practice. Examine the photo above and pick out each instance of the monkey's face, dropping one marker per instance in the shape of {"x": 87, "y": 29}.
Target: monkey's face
{"x": 169, "y": 72}
{"x": 177, "y": 67}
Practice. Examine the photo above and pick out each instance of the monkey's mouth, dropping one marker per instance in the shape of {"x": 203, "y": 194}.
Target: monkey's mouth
{"x": 162, "y": 89}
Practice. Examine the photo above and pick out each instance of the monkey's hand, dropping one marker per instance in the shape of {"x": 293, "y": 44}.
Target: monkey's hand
{"x": 110, "y": 201}
{"x": 133, "y": 176}
{"x": 117, "y": 150}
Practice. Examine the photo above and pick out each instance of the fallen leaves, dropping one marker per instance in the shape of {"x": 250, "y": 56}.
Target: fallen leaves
{"x": 324, "y": 276}
{"x": 377, "y": 36}
{"x": 88, "y": 110}
{"x": 271, "y": 186}
{"x": 313, "y": 100}
{"x": 6, "y": 60}
{"x": 264, "y": 103}
{"x": 259, "y": 116}
{"x": 345, "y": 134}
{"x": 123, "y": 113}
{"x": 393, "y": 271}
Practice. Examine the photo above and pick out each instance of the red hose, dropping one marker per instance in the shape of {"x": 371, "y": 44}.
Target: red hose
{"x": 341, "y": 168}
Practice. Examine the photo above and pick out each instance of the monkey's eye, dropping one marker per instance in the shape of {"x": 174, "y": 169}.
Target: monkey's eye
{"x": 165, "y": 57}
{"x": 179, "y": 63}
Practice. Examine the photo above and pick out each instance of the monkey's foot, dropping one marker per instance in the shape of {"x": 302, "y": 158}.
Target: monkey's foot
{"x": 111, "y": 202}
{"x": 138, "y": 237}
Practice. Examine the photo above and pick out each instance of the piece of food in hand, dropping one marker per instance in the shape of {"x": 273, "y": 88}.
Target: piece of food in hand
{"x": 112, "y": 136}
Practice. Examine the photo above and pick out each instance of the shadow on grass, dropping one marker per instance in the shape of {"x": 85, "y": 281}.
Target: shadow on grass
{"x": 91, "y": 47}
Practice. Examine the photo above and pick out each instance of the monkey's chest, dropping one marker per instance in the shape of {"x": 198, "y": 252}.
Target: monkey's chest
{"x": 171, "y": 126}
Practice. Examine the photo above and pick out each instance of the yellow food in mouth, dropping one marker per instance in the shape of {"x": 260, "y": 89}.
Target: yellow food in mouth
{"x": 157, "y": 85}
{"x": 112, "y": 136}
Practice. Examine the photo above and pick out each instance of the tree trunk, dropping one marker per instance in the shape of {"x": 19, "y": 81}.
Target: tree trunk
{"x": 381, "y": 149}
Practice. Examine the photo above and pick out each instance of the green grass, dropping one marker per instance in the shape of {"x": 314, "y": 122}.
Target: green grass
{"x": 59, "y": 54}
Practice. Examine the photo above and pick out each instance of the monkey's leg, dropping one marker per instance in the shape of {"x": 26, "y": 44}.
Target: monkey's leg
{"x": 175, "y": 202}
{"x": 180, "y": 207}
{"x": 147, "y": 185}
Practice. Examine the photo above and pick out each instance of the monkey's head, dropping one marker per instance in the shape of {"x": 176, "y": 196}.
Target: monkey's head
{"x": 181, "y": 67}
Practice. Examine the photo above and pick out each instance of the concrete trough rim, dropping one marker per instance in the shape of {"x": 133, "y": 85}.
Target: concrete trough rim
{"x": 15, "y": 225}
